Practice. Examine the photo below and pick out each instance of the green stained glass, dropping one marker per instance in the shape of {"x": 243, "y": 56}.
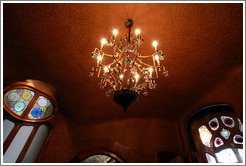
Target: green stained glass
{"x": 18, "y": 99}
{"x": 41, "y": 109}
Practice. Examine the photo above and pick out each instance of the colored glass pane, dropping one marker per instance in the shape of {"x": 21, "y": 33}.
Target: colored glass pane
{"x": 225, "y": 133}
{"x": 238, "y": 139}
{"x": 228, "y": 121}
{"x": 218, "y": 142}
{"x": 99, "y": 159}
{"x": 240, "y": 125}
{"x": 41, "y": 109}
{"x": 210, "y": 158}
{"x": 18, "y": 99}
{"x": 205, "y": 135}
{"x": 214, "y": 124}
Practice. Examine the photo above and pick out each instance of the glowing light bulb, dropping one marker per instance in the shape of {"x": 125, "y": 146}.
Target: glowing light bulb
{"x": 103, "y": 41}
{"x": 136, "y": 76}
{"x": 155, "y": 45}
{"x": 150, "y": 71}
{"x": 137, "y": 31}
{"x": 99, "y": 57}
{"x": 121, "y": 76}
{"x": 156, "y": 57}
{"x": 115, "y": 32}
{"x": 105, "y": 69}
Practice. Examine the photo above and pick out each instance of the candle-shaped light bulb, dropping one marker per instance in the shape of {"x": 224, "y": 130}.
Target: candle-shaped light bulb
{"x": 121, "y": 76}
{"x": 155, "y": 45}
{"x": 115, "y": 32}
{"x": 105, "y": 69}
{"x": 150, "y": 72}
{"x": 103, "y": 41}
{"x": 136, "y": 76}
{"x": 157, "y": 59}
{"x": 99, "y": 58}
{"x": 137, "y": 31}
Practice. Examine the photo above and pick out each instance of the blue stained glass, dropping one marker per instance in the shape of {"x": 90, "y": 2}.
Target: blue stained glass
{"x": 19, "y": 106}
{"x": 36, "y": 112}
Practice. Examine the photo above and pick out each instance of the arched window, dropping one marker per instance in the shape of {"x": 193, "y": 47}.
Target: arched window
{"x": 99, "y": 158}
{"x": 29, "y": 115}
{"x": 217, "y": 133}
{"x": 97, "y": 155}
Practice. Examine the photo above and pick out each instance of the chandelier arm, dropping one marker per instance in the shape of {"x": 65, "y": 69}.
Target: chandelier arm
{"x": 147, "y": 56}
{"x": 112, "y": 63}
{"x": 99, "y": 70}
{"x": 140, "y": 69}
{"x": 135, "y": 56}
{"x": 114, "y": 56}
{"x": 114, "y": 80}
{"x": 99, "y": 50}
{"x": 129, "y": 86}
{"x": 144, "y": 63}
{"x": 119, "y": 49}
{"x": 141, "y": 84}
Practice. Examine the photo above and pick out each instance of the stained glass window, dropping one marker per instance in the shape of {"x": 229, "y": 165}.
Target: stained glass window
{"x": 225, "y": 133}
{"x": 214, "y": 124}
{"x": 240, "y": 125}
{"x": 205, "y": 135}
{"x": 99, "y": 159}
{"x": 41, "y": 109}
{"x": 228, "y": 121}
{"x": 18, "y": 99}
{"x": 218, "y": 142}
{"x": 238, "y": 139}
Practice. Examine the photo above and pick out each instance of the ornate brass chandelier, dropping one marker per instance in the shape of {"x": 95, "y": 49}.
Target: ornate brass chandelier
{"x": 125, "y": 72}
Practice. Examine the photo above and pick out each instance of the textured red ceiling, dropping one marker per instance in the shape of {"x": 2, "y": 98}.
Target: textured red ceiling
{"x": 203, "y": 44}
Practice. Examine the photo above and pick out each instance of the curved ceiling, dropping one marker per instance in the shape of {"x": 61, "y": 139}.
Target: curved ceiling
{"x": 203, "y": 44}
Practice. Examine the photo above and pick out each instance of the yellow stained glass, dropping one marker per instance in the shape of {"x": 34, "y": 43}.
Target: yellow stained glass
{"x": 27, "y": 96}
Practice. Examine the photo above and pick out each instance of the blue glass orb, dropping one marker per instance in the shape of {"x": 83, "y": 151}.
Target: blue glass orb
{"x": 36, "y": 112}
{"x": 19, "y": 106}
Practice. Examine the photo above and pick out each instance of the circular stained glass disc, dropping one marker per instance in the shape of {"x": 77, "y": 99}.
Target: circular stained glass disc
{"x": 27, "y": 95}
{"x": 36, "y": 112}
{"x": 13, "y": 96}
{"x": 42, "y": 102}
{"x": 19, "y": 106}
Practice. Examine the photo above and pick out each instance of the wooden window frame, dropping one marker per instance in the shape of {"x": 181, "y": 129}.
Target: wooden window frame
{"x": 23, "y": 120}
{"x": 97, "y": 151}
{"x": 228, "y": 143}
{"x": 24, "y": 115}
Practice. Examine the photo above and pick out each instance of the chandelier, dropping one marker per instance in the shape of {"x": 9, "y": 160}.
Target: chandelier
{"x": 123, "y": 70}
